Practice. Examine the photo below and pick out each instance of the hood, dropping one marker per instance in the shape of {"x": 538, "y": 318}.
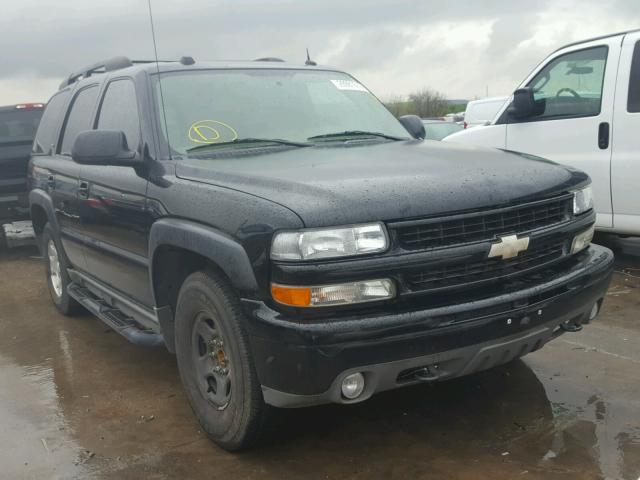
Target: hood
{"x": 388, "y": 181}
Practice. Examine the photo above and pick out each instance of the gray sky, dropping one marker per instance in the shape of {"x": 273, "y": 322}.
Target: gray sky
{"x": 392, "y": 46}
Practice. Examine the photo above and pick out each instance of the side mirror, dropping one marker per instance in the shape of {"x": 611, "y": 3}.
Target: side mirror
{"x": 414, "y": 126}
{"x": 103, "y": 147}
{"x": 523, "y": 104}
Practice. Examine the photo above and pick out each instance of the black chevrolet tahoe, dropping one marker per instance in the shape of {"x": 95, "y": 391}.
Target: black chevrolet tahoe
{"x": 18, "y": 124}
{"x": 292, "y": 242}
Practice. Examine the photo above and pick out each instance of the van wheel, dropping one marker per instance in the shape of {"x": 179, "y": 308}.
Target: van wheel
{"x": 215, "y": 362}
{"x": 57, "y": 276}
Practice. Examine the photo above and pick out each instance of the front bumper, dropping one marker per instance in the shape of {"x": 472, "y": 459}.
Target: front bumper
{"x": 301, "y": 364}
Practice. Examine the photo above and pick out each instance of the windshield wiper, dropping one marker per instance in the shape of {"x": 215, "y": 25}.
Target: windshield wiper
{"x": 241, "y": 141}
{"x": 355, "y": 133}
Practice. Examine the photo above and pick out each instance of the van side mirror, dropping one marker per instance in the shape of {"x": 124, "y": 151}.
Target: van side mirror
{"x": 523, "y": 104}
{"x": 103, "y": 147}
{"x": 414, "y": 126}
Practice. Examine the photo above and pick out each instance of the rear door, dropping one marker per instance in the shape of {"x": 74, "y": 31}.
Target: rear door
{"x": 625, "y": 164}
{"x": 64, "y": 178}
{"x": 577, "y": 86}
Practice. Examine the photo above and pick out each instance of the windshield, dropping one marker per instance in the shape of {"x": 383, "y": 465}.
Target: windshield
{"x": 19, "y": 125}
{"x": 213, "y": 107}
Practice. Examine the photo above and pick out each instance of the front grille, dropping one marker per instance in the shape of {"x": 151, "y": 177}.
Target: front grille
{"x": 463, "y": 274}
{"x": 482, "y": 226}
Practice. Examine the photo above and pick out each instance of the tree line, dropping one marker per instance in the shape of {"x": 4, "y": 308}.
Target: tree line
{"x": 423, "y": 103}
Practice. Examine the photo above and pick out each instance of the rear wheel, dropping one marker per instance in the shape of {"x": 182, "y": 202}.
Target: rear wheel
{"x": 215, "y": 362}
{"x": 57, "y": 276}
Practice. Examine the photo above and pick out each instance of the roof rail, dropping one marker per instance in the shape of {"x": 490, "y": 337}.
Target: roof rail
{"x": 115, "y": 63}
{"x": 268, "y": 59}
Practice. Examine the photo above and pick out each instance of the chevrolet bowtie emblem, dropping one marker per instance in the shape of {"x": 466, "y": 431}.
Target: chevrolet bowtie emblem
{"x": 509, "y": 247}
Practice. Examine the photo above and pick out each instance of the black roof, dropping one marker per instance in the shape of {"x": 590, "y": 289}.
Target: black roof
{"x": 185, "y": 63}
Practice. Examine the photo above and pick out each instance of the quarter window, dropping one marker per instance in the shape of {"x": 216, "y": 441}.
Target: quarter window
{"x": 79, "y": 117}
{"x": 119, "y": 111}
{"x": 571, "y": 84}
{"x": 50, "y": 122}
{"x": 633, "y": 102}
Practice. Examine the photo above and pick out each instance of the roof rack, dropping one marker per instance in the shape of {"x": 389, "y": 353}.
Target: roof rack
{"x": 111, "y": 64}
{"x": 269, "y": 59}
{"x": 115, "y": 63}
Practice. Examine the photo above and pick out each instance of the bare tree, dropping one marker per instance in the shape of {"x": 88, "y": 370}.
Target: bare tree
{"x": 428, "y": 103}
{"x": 396, "y": 104}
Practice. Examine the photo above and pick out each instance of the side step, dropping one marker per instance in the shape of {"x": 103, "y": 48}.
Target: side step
{"x": 116, "y": 319}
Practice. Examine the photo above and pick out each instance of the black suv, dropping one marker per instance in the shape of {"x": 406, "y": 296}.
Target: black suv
{"x": 18, "y": 124}
{"x": 289, "y": 239}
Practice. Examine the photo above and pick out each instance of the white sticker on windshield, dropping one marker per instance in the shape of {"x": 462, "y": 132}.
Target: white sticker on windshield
{"x": 349, "y": 85}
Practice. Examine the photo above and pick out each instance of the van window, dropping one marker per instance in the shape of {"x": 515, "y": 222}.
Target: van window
{"x": 119, "y": 111}
{"x": 633, "y": 102}
{"x": 571, "y": 84}
{"x": 51, "y": 118}
{"x": 79, "y": 117}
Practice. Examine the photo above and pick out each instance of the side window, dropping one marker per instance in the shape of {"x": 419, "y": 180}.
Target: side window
{"x": 79, "y": 117}
{"x": 51, "y": 118}
{"x": 571, "y": 84}
{"x": 633, "y": 102}
{"x": 119, "y": 111}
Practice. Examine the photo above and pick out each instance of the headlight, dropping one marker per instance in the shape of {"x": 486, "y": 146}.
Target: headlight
{"x": 332, "y": 295}
{"x": 316, "y": 244}
{"x": 582, "y": 240}
{"x": 582, "y": 200}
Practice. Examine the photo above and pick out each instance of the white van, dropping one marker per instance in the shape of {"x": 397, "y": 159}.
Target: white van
{"x": 482, "y": 112}
{"x": 581, "y": 107}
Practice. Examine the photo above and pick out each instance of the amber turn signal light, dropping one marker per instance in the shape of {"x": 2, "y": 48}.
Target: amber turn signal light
{"x": 293, "y": 296}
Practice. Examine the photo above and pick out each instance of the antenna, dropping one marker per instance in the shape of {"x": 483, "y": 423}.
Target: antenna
{"x": 309, "y": 62}
{"x": 155, "y": 51}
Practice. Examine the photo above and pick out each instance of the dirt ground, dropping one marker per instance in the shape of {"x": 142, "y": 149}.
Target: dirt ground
{"x": 78, "y": 401}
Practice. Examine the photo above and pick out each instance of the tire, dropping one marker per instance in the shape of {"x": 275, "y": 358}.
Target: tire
{"x": 57, "y": 277}
{"x": 215, "y": 362}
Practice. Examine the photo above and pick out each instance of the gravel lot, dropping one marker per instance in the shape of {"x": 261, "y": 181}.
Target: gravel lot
{"x": 77, "y": 400}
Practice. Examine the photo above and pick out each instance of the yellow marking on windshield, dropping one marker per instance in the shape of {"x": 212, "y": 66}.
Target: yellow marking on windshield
{"x": 208, "y": 132}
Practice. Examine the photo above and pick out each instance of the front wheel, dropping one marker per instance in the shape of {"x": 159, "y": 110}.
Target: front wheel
{"x": 57, "y": 276}
{"x": 215, "y": 362}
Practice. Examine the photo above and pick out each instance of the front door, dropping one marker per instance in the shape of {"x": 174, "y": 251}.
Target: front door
{"x": 577, "y": 89}
{"x": 113, "y": 214}
{"x": 625, "y": 164}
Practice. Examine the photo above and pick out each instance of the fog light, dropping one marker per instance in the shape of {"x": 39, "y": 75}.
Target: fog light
{"x": 594, "y": 311}
{"x": 582, "y": 240}
{"x": 353, "y": 386}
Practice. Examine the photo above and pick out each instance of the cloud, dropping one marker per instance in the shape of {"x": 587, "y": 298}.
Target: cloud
{"x": 393, "y": 46}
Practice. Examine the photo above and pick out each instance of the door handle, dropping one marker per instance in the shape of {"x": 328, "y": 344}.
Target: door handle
{"x": 83, "y": 190}
{"x": 603, "y": 136}
{"x": 51, "y": 182}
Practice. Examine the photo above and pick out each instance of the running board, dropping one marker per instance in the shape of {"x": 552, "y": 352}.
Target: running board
{"x": 114, "y": 318}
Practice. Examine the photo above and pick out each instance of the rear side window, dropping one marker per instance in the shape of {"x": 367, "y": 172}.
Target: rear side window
{"x": 79, "y": 117}
{"x": 633, "y": 103}
{"x": 50, "y": 122}
{"x": 571, "y": 84}
{"x": 119, "y": 111}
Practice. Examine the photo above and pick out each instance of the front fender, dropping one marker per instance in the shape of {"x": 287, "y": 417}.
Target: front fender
{"x": 213, "y": 244}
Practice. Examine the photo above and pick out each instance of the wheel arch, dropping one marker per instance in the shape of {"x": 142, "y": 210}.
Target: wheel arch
{"x": 179, "y": 247}
{"x": 42, "y": 212}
